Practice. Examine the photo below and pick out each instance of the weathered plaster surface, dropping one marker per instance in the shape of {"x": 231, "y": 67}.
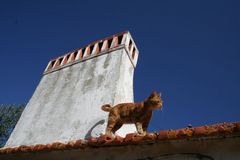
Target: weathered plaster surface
{"x": 67, "y": 103}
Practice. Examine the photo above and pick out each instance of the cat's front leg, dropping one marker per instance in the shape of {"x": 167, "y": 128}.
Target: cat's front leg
{"x": 139, "y": 128}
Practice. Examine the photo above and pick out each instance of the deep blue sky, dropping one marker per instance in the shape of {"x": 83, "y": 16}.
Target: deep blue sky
{"x": 189, "y": 50}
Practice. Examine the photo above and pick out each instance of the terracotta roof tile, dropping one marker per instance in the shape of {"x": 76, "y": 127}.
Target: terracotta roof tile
{"x": 223, "y": 129}
{"x": 187, "y": 132}
{"x": 76, "y": 144}
{"x": 92, "y": 141}
{"x": 132, "y": 138}
{"x": 41, "y": 147}
{"x": 237, "y": 126}
{"x": 150, "y": 137}
{"x": 58, "y": 145}
{"x": 104, "y": 140}
{"x": 118, "y": 140}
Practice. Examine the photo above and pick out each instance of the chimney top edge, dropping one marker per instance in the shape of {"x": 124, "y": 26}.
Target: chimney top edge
{"x": 95, "y": 49}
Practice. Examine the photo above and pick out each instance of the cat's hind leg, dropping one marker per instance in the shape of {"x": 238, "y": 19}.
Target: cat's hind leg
{"x": 117, "y": 126}
{"x": 110, "y": 126}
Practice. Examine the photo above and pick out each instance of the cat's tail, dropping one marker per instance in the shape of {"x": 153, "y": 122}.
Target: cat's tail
{"x": 106, "y": 107}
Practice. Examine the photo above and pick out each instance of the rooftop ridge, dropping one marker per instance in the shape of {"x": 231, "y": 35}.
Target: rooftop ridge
{"x": 94, "y": 49}
{"x": 207, "y": 132}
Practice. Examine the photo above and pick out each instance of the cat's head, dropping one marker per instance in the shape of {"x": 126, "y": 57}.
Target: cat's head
{"x": 155, "y": 100}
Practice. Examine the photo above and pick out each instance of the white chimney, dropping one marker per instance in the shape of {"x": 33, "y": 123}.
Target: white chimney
{"x": 66, "y": 104}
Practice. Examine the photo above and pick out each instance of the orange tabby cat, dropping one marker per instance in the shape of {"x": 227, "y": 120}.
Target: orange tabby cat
{"x": 137, "y": 113}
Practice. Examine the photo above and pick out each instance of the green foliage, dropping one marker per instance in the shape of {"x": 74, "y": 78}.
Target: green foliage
{"x": 9, "y": 115}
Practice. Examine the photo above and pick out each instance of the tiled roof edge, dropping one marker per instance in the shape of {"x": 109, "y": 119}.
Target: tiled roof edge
{"x": 204, "y": 132}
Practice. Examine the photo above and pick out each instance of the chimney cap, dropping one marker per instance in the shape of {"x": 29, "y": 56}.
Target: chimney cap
{"x": 96, "y": 48}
